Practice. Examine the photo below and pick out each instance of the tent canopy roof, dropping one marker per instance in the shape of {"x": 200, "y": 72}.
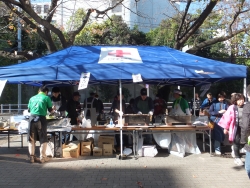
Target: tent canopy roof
{"x": 108, "y": 64}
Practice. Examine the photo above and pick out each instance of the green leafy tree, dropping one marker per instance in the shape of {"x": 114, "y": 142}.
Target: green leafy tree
{"x": 113, "y": 32}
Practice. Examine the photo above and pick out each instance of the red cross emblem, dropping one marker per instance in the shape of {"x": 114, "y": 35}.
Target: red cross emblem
{"x": 119, "y": 53}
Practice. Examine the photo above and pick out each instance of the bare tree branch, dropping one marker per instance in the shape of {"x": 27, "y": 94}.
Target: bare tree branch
{"x": 196, "y": 25}
{"x": 215, "y": 40}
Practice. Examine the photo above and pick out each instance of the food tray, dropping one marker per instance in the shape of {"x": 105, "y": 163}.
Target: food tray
{"x": 179, "y": 119}
{"x": 137, "y": 118}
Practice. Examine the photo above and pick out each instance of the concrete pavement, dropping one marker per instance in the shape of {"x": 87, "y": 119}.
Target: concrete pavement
{"x": 164, "y": 170}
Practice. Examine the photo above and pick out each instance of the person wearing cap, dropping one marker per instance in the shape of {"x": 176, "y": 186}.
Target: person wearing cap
{"x": 37, "y": 129}
{"x": 74, "y": 108}
{"x": 180, "y": 105}
{"x": 58, "y": 101}
{"x": 144, "y": 105}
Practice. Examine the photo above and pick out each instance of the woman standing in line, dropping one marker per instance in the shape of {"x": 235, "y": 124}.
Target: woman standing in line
{"x": 216, "y": 110}
{"x": 231, "y": 121}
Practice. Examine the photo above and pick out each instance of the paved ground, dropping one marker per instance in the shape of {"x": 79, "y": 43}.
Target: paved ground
{"x": 161, "y": 171}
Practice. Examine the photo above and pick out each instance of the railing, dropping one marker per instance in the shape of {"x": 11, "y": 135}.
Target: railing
{"x": 13, "y": 108}
{"x": 18, "y": 109}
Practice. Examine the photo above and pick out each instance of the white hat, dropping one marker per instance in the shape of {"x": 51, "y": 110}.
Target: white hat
{"x": 178, "y": 91}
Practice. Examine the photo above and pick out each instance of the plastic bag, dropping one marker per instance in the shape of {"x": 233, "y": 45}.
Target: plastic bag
{"x": 163, "y": 139}
{"x": 127, "y": 151}
{"x": 86, "y": 123}
{"x": 177, "y": 146}
{"x": 139, "y": 146}
{"x": 201, "y": 121}
{"x": 190, "y": 143}
{"x": 50, "y": 149}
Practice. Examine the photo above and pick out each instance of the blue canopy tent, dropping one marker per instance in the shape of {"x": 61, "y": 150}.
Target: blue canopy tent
{"x": 108, "y": 64}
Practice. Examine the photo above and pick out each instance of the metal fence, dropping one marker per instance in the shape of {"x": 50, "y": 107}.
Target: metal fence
{"x": 13, "y": 108}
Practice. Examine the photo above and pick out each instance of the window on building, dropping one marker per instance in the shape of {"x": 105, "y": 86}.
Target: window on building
{"x": 118, "y": 8}
{"x": 38, "y": 9}
{"x": 46, "y": 8}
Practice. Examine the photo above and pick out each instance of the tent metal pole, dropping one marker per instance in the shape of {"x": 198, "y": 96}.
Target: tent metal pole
{"x": 120, "y": 117}
{"x": 194, "y": 102}
{"x": 244, "y": 89}
{"x": 19, "y": 39}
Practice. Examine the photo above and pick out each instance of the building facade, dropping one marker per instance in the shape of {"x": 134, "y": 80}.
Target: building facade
{"x": 145, "y": 14}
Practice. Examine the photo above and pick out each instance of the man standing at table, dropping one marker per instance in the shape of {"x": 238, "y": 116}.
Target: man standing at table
{"x": 37, "y": 130}
{"x": 74, "y": 108}
{"x": 180, "y": 105}
{"x": 144, "y": 105}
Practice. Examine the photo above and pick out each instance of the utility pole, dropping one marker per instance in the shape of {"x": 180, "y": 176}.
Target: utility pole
{"x": 19, "y": 49}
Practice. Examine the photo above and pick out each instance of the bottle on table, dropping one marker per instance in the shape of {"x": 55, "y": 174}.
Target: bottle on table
{"x": 111, "y": 121}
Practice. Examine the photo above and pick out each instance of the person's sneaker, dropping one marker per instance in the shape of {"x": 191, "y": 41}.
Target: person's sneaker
{"x": 217, "y": 152}
{"x": 32, "y": 160}
{"x": 238, "y": 162}
{"x": 44, "y": 159}
{"x": 232, "y": 153}
{"x": 243, "y": 150}
{"x": 37, "y": 160}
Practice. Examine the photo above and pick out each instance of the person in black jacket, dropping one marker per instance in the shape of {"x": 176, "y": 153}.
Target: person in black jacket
{"x": 58, "y": 102}
{"x": 245, "y": 131}
{"x": 144, "y": 105}
{"x": 74, "y": 108}
{"x": 99, "y": 105}
{"x": 130, "y": 107}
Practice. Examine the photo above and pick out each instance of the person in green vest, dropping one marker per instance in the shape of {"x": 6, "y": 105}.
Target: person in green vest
{"x": 37, "y": 129}
{"x": 180, "y": 105}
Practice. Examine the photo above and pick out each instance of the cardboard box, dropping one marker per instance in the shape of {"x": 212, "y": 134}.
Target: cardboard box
{"x": 71, "y": 152}
{"x": 97, "y": 151}
{"x": 107, "y": 149}
{"x": 106, "y": 140}
{"x": 86, "y": 148}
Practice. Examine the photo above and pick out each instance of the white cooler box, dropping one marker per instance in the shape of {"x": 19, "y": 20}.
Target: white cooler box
{"x": 148, "y": 151}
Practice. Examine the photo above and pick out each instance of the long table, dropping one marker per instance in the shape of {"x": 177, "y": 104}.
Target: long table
{"x": 136, "y": 130}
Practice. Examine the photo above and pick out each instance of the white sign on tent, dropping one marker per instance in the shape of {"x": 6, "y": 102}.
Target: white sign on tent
{"x": 84, "y": 80}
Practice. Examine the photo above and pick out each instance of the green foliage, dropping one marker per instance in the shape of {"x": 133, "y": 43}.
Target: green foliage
{"x": 107, "y": 92}
{"x": 164, "y": 35}
{"x": 76, "y": 19}
{"x": 113, "y": 32}
{"x": 126, "y": 93}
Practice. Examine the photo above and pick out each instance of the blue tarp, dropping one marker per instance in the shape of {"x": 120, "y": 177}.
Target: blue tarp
{"x": 107, "y": 64}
